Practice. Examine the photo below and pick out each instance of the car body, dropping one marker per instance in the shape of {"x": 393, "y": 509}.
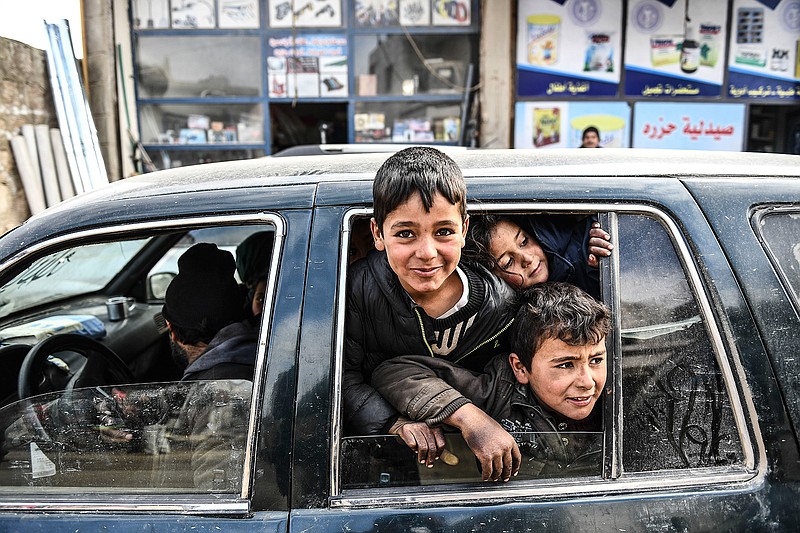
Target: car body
{"x": 703, "y": 393}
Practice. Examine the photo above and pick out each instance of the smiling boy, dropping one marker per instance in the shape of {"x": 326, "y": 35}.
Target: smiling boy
{"x": 412, "y": 295}
{"x": 550, "y": 383}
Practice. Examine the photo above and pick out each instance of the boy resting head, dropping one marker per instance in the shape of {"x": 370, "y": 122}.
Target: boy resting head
{"x": 550, "y": 382}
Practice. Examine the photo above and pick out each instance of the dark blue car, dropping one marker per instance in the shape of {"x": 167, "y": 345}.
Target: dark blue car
{"x": 701, "y": 407}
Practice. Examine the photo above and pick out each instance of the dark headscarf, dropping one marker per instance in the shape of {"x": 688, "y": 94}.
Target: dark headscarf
{"x": 204, "y": 295}
{"x": 253, "y": 257}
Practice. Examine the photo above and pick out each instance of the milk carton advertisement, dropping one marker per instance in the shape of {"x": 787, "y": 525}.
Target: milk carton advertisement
{"x": 569, "y": 48}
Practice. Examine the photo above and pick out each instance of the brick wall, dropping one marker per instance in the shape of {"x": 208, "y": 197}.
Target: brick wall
{"x": 25, "y": 98}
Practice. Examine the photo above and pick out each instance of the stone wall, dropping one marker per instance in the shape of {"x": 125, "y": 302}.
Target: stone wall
{"x": 25, "y": 98}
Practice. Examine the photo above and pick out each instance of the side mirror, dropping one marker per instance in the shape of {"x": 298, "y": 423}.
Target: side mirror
{"x": 157, "y": 285}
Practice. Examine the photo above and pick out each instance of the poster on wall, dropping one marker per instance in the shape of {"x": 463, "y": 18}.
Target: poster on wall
{"x": 549, "y": 124}
{"x": 193, "y": 14}
{"x": 569, "y": 47}
{"x": 312, "y": 65}
{"x": 415, "y": 12}
{"x": 451, "y": 12}
{"x": 689, "y": 126}
{"x": 150, "y": 14}
{"x": 376, "y": 13}
{"x": 305, "y": 14}
{"x": 674, "y": 48}
{"x": 238, "y": 13}
{"x": 764, "y": 53}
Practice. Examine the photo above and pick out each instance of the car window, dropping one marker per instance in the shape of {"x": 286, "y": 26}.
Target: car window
{"x": 780, "y": 231}
{"x": 163, "y": 437}
{"x": 67, "y": 273}
{"x": 94, "y": 396}
{"x": 676, "y": 411}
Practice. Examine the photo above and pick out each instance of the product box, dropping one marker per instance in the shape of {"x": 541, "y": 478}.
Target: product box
{"x": 665, "y": 50}
{"x": 546, "y": 126}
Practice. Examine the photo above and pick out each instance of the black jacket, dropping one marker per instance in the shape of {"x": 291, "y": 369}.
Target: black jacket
{"x": 231, "y": 354}
{"x": 431, "y": 390}
{"x": 383, "y": 322}
{"x": 565, "y": 241}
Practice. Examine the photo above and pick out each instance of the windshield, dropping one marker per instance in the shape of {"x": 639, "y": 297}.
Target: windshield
{"x": 67, "y": 273}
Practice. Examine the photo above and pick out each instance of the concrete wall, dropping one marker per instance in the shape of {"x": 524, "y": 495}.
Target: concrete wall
{"x": 25, "y": 98}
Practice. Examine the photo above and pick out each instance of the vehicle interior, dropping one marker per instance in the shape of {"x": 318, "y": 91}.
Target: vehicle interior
{"x": 83, "y": 342}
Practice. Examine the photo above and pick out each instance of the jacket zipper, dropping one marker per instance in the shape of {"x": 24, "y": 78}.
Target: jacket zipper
{"x": 476, "y": 348}
{"x": 422, "y": 329}
{"x": 487, "y": 341}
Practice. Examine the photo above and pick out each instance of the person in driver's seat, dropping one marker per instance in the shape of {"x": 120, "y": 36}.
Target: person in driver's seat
{"x": 204, "y": 311}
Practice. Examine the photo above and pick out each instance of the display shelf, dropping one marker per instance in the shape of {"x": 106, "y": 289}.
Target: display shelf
{"x": 298, "y": 84}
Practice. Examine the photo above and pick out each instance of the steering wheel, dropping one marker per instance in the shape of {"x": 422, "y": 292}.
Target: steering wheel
{"x": 102, "y": 366}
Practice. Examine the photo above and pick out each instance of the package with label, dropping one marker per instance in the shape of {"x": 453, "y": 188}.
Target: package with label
{"x": 665, "y": 50}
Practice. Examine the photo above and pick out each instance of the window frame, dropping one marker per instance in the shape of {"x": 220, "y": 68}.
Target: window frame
{"x": 614, "y": 482}
{"x": 757, "y": 223}
{"x": 211, "y": 503}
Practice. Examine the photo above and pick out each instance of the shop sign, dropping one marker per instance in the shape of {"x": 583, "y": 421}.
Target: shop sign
{"x": 568, "y": 48}
{"x": 764, "y": 56}
{"x": 549, "y": 124}
{"x": 688, "y": 126}
{"x": 675, "y": 48}
{"x": 307, "y": 65}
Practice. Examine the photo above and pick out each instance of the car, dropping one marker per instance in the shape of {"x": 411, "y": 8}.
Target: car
{"x": 701, "y": 406}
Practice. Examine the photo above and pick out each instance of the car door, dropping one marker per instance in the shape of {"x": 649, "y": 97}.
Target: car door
{"x": 59, "y": 471}
{"x": 683, "y": 448}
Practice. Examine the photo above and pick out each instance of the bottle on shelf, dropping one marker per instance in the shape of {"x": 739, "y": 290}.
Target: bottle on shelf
{"x": 690, "y": 49}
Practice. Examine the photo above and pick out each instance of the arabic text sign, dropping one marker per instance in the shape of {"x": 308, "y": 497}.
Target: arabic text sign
{"x": 689, "y": 126}
{"x": 675, "y": 49}
{"x": 764, "y": 57}
{"x": 568, "y": 47}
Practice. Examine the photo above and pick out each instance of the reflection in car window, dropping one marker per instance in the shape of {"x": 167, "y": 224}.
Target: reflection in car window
{"x": 188, "y": 436}
{"x": 374, "y": 461}
{"x": 781, "y": 233}
{"x": 67, "y": 273}
{"x": 676, "y": 410}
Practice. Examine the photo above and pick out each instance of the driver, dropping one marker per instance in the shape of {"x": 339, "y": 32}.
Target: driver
{"x": 205, "y": 315}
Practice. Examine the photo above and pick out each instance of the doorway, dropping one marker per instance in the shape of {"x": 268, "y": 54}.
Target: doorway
{"x": 295, "y": 124}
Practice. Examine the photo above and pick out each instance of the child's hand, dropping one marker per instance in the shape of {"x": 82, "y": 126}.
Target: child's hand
{"x": 599, "y": 245}
{"x": 427, "y": 442}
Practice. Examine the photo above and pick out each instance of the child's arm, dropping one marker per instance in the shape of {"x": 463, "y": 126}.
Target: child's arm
{"x": 427, "y": 389}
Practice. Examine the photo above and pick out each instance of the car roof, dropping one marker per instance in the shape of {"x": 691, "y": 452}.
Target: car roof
{"x": 311, "y": 169}
{"x": 229, "y": 178}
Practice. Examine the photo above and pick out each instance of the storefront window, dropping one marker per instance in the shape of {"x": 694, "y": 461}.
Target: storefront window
{"x": 198, "y": 123}
{"x": 407, "y": 122}
{"x": 198, "y": 67}
{"x": 408, "y": 65}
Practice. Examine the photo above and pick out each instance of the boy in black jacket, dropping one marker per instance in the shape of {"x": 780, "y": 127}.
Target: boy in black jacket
{"x": 550, "y": 383}
{"x": 412, "y": 296}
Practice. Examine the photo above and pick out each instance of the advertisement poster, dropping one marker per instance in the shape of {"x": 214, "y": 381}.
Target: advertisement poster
{"x": 569, "y": 47}
{"x": 689, "y": 126}
{"x": 560, "y": 124}
{"x": 764, "y": 56}
{"x": 305, "y": 14}
{"x": 310, "y": 65}
{"x": 675, "y": 48}
{"x": 238, "y": 13}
